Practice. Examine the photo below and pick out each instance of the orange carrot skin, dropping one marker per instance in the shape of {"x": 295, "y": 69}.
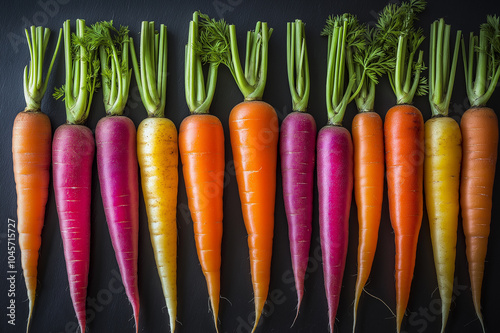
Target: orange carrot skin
{"x": 254, "y": 131}
{"x": 480, "y": 144}
{"x": 404, "y": 148}
{"x": 368, "y": 139}
{"x": 201, "y": 146}
{"x": 31, "y": 153}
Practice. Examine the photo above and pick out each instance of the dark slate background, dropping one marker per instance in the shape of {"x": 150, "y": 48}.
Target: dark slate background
{"x": 108, "y": 308}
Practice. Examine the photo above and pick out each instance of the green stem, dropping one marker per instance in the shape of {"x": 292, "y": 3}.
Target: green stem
{"x": 151, "y": 75}
{"x": 33, "y": 84}
{"x": 297, "y": 65}
{"x": 198, "y": 97}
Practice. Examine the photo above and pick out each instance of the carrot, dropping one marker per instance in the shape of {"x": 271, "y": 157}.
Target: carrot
{"x": 158, "y": 159}
{"x": 297, "y": 153}
{"x": 366, "y": 64}
{"x": 72, "y": 156}
{"x": 201, "y": 146}
{"x": 404, "y": 143}
{"x": 335, "y": 157}
{"x": 253, "y": 127}
{"x": 479, "y": 127}
{"x": 443, "y": 155}
{"x": 31, "y": 157}
{"x": 116, "y": 155}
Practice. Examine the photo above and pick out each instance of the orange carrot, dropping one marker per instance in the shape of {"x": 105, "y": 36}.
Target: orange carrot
{"x": 479, "y": 127}
{"x": 404, "y": 140}
{"x": 404, "y": 147}
{"x": 201, "y": 145}
{"x": 368, "y": 140}
{"x": 253, "y": 126}
{"x": 254, "y": 131}
{"x": 31, "y": 156}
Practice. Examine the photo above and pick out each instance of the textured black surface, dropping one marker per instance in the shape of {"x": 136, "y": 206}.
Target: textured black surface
{"x": 108, "y": 307}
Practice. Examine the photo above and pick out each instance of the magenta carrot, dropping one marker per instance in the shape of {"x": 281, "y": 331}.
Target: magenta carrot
{"x": 117, "y": 157}
{"x": 335, "y": 161}
{"x": 297, "y": 152}
{"x": 72, "y": 156}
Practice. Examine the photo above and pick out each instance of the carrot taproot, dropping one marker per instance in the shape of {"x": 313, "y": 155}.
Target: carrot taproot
{"x": 73, "y": 150}
{"x": 31, "y": 157}
{"x": 297, "y": 153}
{"x": 404, "y": 143}
{"x": 366, "y": 64}
{"x": 115, "y": 138}
{"x": 253, "y": 128}
{"x": 201, "y": 146}
{"x": 479, "y": 127}
{"x": 443, "y": 155}
{"x": 335, "y": 157}
{"x": 158, "y": 158}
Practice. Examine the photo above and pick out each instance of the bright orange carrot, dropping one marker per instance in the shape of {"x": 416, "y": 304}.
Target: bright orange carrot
{"x": 368, "y": 140}
{"x": 479, "y": 127}
{"x": 201, "y": 145}
{"x": 253, "y": 127}
{"x": 31, "y": 156}
{"x": 404, "y": 141}
{"x": 404, "y": 147}
{"x": 254, "y": 131}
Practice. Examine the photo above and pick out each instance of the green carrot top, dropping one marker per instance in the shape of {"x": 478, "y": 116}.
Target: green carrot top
{"x": 197, "y": 97}
{"x": 441, "y": 75}
{"x": 297, "y": 65}
{"x": 221, "y": 46}
{"x": 152, "y": 76}
{"x": 344, "y": 33}
{"x": 366, "y": 64}
{"x": 401, "y": 44}
{"x": 115, "y": 71}
{"x": 82, "y": 69}
{"x": 487, "y": 52}
{"x": 33, "y": 83}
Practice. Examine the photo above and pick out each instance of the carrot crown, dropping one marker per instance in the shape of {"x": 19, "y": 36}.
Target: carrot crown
{"x": 222, "y": 47}
{"x": 115, "y": 71}
{"x": 366, "y": 64}
{"x": 82, "y": 68}
{"x": 33, "y": 83}
{"x": 441, "y": 75}
{"x": 197, "y": 97}
{"x": 297, "y": 65}
{"x": 344, "y": 32}
{"x": 487, "y": 52}
{"x": 152, "y": 76}
{"x": 402, "y": 41}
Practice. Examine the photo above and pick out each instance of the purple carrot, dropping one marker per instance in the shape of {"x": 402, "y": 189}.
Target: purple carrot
{"x": 72, "y": 157}
{"x": 335, "y": 161}
{"x": 117, "y": 169}
{"x": 297, "y": 151}
{"x": 335, "y": 182}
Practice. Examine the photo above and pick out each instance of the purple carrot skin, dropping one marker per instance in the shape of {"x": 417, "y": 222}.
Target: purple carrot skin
{"x": 335, "y": 184}
{"x": 117, "y": 169}
{"x": 72, "y": 157}
{"x": 297, "y": 152}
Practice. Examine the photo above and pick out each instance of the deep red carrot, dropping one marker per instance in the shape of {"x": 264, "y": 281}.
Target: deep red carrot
{"x": 72, "y": 156}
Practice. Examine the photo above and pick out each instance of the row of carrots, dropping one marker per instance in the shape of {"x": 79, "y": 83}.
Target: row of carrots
{"x": 453, "y": 164}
